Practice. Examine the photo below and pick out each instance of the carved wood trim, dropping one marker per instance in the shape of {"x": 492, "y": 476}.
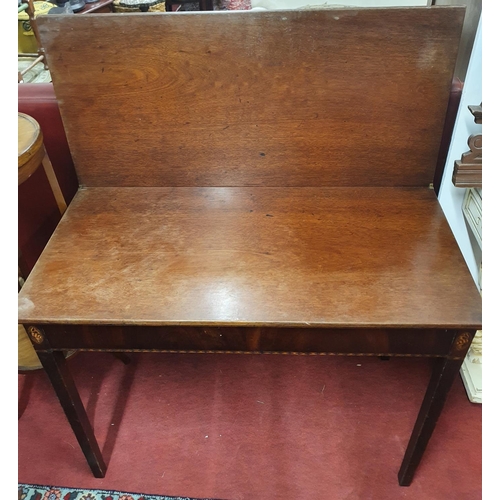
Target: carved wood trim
{"x": 468, "y": 171}
{"x": 477, "y": 111}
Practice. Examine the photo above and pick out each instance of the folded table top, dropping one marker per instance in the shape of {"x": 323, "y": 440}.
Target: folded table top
{"x": 322, "y": 97}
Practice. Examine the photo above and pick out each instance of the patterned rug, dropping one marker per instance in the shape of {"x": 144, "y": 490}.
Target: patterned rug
{"x": 38, "y": 492}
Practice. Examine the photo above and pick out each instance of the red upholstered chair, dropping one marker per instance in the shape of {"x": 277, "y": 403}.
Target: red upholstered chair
{"x": 38, "y": 213}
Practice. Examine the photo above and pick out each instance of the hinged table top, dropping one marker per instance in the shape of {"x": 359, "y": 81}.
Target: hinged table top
{"x": 252, "y": 256}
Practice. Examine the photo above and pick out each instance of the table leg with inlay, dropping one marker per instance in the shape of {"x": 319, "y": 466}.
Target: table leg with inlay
{"x": 55, "y": 365}
{"x": 444, "y": 373}
{"x": 448, "y": 347}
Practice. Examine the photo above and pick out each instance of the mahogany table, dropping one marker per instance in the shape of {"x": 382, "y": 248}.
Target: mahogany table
{"x": 261, "y": 188}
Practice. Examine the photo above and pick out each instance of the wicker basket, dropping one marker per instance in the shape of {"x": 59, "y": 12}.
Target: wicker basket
{"x": 134, "y": 5}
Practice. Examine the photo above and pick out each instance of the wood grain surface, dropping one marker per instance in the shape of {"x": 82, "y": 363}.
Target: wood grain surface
{"x": 324, "y": 97}
{"x": 304, "y": 257}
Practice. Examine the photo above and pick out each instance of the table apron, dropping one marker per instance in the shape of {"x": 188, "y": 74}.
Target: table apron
{"x": 306, "y": 341}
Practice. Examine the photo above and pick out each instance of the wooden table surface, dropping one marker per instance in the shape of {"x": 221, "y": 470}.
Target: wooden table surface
{"x": 331, "y": 118}
{"x": 252, "y": 256}
{"x": 28, "y": 134}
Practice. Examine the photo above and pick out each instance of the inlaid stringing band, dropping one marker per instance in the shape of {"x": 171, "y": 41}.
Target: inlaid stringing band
{"x": 286, "y": 353}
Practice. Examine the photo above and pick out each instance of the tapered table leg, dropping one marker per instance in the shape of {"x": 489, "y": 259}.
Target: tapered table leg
{"x": 442, "y": 378}
{"x": 56, "y": 368}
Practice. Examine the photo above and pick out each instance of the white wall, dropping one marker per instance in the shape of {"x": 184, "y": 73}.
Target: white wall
{"x": 450, "y": 197}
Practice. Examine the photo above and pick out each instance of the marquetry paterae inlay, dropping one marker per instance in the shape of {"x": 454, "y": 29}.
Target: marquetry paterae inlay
{"x": 36, "y": 334}
{"x": 462, "y": 342}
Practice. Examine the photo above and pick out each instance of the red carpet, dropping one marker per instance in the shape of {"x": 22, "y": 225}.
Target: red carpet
{"x": 251, "y": 427}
